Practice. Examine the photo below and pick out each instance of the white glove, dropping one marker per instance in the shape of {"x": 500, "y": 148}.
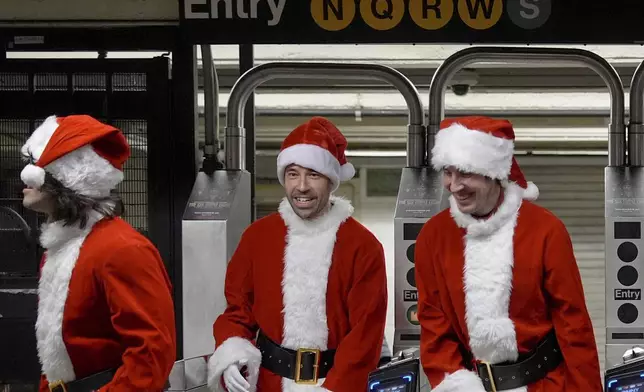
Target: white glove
{"x": 234, "y": 380}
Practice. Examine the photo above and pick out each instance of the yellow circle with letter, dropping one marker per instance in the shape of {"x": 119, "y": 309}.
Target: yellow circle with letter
{"x": 382, "y": 14}
{"x": 431, "y": 14}
{"x": 480, "y": 14}
{"x": 333, "y": 15}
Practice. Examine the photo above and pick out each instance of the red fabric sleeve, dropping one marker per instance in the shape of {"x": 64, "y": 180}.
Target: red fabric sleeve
{"x": 138, "y": 292}
{"x": 238, "y": 320}
{"x": 44, "y": 384}
{"x": 439, "y": 344}
{"x": 359, "y": 351}
{"x": 569, "y": 314}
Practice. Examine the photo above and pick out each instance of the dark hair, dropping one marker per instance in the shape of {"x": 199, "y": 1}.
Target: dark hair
{"x": 71, "y": 207}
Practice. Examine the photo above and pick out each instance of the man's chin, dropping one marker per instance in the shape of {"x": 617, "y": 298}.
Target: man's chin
{"x": 465, "y": 208}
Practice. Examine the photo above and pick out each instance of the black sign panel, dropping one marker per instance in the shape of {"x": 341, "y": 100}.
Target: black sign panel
{"x": 410, "y": 296}
{"x": 412, "y": 21}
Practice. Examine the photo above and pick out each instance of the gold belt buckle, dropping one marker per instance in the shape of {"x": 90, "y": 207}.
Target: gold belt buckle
{"x": 298, "y": 366}
{"x": 57, "y": 384}
{"x": 490, "y": 375}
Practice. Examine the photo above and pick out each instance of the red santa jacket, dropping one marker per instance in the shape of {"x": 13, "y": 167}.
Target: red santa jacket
{"x": 104, "y": 303}
{"x": 315, "y": 284}
{"x": 495, "y": 287}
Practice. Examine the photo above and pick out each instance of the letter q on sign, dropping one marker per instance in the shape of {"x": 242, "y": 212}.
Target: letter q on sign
{"x": 382, "y": 14}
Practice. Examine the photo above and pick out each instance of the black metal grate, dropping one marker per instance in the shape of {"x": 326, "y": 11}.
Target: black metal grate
{"x": 19, "y": 255}
{"x": 133, "y": 189}
{"x": 113, "y": 97}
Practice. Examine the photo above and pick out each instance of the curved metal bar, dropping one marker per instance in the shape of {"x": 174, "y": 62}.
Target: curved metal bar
{"x": 636, "y": 122}
{"x": 463, "y": 58}
{"x": 246, "y": 84}
{"x": 26, "y": 229}
{"x": 211, "y": 99}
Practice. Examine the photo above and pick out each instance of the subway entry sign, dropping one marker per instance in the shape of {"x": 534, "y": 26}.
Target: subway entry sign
{"x": 412, "y": 21}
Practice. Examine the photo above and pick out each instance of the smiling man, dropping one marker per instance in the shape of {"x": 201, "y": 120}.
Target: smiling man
{"x": 500, "y": 299}
{"x": 306, "y": 287}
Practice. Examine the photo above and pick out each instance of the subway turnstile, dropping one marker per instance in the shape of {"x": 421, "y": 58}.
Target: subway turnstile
{"x": 624, "y": 212}
{"x": 419, "y": 198}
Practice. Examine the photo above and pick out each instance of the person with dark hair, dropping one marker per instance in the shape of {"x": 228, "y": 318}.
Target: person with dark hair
{"x": 105, "y": 310}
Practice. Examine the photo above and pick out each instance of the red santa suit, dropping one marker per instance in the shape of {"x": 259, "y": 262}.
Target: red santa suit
{"x": 104, "y": 295}
{"x": 306, "y": 284}
{"x": 495, "y": 287}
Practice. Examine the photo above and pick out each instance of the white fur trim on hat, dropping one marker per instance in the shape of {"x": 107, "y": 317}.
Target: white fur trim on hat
{"x": 347, "y": 171}
{"x": 315, "y": 158}
{"x": 531, "y": 192}
{"x": 86, "y": 172}
{"x": 472, "y": 151}
{"x": 38, "y": 140}
{"x": 82, "y": 170}
{"x": 33, "y": 176}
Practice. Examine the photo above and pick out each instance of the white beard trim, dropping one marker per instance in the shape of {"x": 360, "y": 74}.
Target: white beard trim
{"x": 63, "y": 244}
{"x": 307, "y": 259}
{"x": 487, "y": 277}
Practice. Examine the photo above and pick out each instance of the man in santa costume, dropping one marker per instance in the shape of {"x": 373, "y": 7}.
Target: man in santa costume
{"x": 500, "y": 298}
{"x": 306, "y": 287}
{"x": 105, "y": 312}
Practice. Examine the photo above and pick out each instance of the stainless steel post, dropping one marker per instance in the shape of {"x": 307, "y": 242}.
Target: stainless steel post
{"x": 211, "y": 101}
{"x": 235, "y": 134}
{"x": 636, "y": 122}
{"x": 463, "y": 58}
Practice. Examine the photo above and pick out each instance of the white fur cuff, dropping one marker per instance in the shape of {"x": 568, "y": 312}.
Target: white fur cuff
{"x": 460, "y": 381}
{"x": 234, "y": 350}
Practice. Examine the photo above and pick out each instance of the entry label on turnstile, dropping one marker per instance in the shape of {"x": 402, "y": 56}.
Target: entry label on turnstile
{"x": 410, "y": 295}
{"x": 628, "y": 294}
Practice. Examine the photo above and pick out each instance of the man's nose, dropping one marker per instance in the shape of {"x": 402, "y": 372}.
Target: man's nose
{"x": 302, "y": 184}
{"x": 455, "y": 185}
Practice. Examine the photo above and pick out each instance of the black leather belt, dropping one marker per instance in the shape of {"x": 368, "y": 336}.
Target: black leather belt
{"x": 304, "y": 366}
{"x": 527, "y": 370}
{"x": 87, "y": 384}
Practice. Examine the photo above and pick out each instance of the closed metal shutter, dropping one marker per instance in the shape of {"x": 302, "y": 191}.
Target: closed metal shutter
{"x": 576, "y": 195}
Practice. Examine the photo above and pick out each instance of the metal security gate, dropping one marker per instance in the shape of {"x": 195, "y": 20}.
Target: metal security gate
{"x": 134, "y": 96}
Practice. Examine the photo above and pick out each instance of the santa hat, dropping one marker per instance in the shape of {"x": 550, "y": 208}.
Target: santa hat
{"x": 317, "y": 145}
{"x": 82, "y": 153}
{"x": 481, "y": 145}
